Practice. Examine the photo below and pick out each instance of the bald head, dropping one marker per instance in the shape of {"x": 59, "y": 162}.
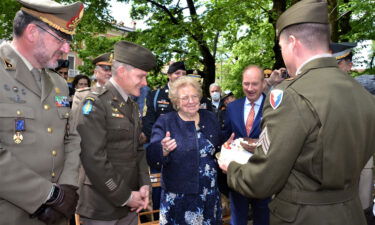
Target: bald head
{"x": 252, "y": 82}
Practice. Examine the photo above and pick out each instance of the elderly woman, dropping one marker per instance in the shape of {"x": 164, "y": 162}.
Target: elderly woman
{"x": 184, "y": 143}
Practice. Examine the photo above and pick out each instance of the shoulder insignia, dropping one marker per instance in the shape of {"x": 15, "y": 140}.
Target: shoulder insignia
{"x": 83, "y": 89}
{"x": 276, "y": 96}
{"x": 8, "y": 65}
{"x": 87, "y": 106}
{"x": 290, "y": 78}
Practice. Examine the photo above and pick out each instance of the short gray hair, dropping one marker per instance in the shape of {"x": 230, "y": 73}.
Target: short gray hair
{"x": 214, "y": 85}
{"x": 181, "y": 82}
{"x": 117, "y": 64}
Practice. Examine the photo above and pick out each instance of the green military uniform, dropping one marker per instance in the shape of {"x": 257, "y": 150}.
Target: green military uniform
{"x": 37, "y": 145}
{"x": 317, "y": 135}
{"x": 112, "y": 156}
{"x": 307, "y": 148}
{"x": 44, "y": 151}
{"x": 110, "y": 134}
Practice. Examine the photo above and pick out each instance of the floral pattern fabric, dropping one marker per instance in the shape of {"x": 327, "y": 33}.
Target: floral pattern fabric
{"x": 195, "y": 209}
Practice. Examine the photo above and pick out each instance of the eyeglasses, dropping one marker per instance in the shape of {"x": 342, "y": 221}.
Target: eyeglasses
{"x": 106, "y": 67}
{"x": 186, "y": 98}
{"x": 63, "y": 73}
{"x": 61, "y": 40}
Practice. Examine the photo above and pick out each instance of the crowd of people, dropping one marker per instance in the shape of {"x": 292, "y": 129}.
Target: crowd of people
{"x": 116, "y": 148}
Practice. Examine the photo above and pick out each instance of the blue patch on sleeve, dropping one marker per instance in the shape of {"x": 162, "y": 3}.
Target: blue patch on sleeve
{"x": 87, "y": 107}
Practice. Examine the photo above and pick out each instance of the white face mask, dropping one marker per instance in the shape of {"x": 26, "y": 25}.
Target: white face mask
{"x": 215, "y": 96}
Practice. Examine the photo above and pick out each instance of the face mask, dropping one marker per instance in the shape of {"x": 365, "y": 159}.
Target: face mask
{"x": 215, "y": 96}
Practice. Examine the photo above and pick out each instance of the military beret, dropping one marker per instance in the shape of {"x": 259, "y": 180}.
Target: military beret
{"x": 64, "y": 18}
{"x": 176, "y": 66}
{"x": 134, "y": 55}
{"x": 103, "y": 59}
{"x": 305, "y": 11}
{"x": 341, "y": 50}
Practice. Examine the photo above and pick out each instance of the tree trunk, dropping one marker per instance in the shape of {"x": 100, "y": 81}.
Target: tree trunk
{"x": 278, "y": 8}
{"x": 333, "y": 14}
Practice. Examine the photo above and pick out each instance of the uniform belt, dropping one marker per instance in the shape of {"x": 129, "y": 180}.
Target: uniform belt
{"x": 318, "y": 197}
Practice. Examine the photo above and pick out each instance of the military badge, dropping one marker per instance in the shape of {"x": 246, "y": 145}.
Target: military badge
{"x": 264, "y": 141}
{"x": 62, "y": 101}
{"x": 19, "y": 126}
{"x": 276, "y": 96}
{"x": 87, "y": 107}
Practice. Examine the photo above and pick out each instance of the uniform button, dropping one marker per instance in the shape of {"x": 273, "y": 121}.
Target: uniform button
{"x": 211, "y": 135}
{"x": 49, "y": 130}
{"x": 158, "y": 163}
{"x": 162, "y": 109}
{"x": 46, "y": 107}
{"x": 54, "y": 153}
{"x": 66, "y": 115}
{"x": 53, "y": 174}
{"x": 18, "y": 112}
{"x": 203, "y": 126}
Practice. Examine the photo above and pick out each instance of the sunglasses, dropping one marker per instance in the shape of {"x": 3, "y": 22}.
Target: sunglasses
{"x": 63, "y": 73}
{"x": 106, "y": 67}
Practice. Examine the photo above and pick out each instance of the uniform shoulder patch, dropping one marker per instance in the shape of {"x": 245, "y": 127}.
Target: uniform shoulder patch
{"x": 276, "y": 97}
{"x": 87, "y": 105}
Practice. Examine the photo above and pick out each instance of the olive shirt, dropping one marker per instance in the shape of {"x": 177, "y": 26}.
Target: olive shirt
{"x": 112, "y": 156}
{"x": 49, "y": 150}
{"x": 312, "y": 148}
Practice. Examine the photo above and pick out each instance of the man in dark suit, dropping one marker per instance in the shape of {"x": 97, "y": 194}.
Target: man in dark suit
{"x": 117, "y": 181}
{"x": 243, "y": 118}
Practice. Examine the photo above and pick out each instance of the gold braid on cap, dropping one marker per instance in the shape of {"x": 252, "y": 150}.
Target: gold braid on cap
{"x": 56, "y": 22}
{"x": 342, "y": 56}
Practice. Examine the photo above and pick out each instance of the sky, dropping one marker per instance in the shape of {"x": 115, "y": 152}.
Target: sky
{"x": 121, "y": 13}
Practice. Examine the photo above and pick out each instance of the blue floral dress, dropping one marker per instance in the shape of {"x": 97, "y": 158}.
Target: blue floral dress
{"x": 203, "y": 208}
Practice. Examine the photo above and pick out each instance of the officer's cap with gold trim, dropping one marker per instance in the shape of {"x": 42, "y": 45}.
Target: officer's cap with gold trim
{"x": 134, "y": 55}
{"x": 342, "y": 50}
{"x": 305, "y": 11}
{"x": 103, "y": 59}
{"x": 64, "y": 18}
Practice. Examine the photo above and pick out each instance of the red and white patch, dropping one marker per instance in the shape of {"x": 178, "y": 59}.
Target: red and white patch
{"x": 276, "y": 97}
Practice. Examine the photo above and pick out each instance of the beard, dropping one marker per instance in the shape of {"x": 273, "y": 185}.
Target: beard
{"x": 42, "y": 57}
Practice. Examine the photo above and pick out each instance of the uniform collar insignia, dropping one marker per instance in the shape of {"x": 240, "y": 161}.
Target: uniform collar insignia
{"x": 276, "y": 96}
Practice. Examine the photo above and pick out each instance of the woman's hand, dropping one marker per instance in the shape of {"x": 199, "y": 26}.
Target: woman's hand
{"x": 168, "y": 144}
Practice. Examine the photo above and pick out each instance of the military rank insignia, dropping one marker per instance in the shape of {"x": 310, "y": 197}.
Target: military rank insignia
{"x": 87, "y": 107}
{"x": 62, "y": 101}
{"x": 19, "y": 127}
{"x": 276, "y": 96}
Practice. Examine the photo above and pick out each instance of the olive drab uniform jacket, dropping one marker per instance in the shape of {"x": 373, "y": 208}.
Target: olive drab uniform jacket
{"x": 37, "y": 147}
{"x": 317, "y": 134}
{"x": 112, "y": 156}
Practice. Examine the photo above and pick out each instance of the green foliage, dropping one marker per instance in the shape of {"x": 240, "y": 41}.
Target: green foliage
{"x": 8, "y": 9}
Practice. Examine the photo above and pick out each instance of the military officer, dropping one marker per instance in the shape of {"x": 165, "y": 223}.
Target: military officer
{"x": 39, "y": 153}
{"x": 343, "y": 54}
{"x": 317, "y": 131}
{"x": 102, "y": 73}
{"x": 117, "y": 179}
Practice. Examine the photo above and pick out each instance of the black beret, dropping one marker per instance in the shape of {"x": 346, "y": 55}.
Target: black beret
{"x": 176, "y": 66}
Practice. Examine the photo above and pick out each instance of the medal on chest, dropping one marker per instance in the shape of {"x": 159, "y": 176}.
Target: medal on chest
{"x": 19, "y": 128}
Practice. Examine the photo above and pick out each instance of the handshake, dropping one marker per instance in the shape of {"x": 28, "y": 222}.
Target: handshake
{"x": 62, "y": 203}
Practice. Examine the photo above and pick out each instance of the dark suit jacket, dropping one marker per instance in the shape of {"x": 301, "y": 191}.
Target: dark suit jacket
{"x": 234, "y": 120}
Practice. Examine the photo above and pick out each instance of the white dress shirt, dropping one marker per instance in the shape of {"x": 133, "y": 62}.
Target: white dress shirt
{"x": 247, "y": 107}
